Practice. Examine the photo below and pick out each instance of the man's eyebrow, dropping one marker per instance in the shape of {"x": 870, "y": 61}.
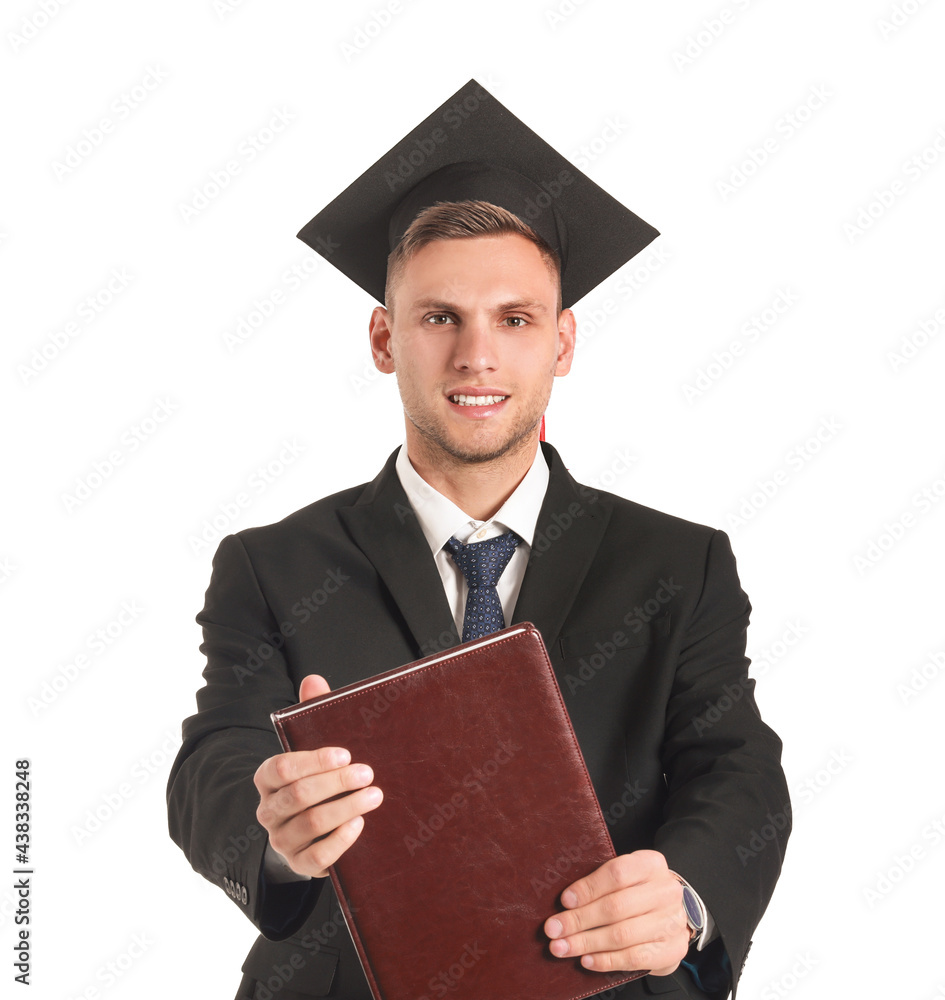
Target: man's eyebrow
{"x": 440, "y": 304}
{"x": 525, "y": 305}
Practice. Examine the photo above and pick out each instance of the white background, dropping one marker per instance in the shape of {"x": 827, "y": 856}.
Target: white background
{"x": 842, "y": 554}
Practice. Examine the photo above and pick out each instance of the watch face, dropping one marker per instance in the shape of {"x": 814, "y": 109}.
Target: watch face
{"x": 692, "y": 908}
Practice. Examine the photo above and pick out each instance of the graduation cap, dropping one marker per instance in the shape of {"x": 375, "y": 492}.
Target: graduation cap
{"x": 473, "y": 148}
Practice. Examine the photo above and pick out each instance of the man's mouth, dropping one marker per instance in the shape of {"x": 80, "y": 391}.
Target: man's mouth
{"x": 462, "y": 400}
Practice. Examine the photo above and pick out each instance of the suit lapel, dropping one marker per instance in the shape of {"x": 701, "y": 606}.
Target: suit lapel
{"x": 384, "y": 526}
{"x": 570, "y": 528}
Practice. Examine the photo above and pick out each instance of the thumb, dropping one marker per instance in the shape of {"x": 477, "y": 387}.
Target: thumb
{"x": 312, "y": 686}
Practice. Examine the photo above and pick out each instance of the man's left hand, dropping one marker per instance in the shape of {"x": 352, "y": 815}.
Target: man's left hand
{"x": 626, "y": 915}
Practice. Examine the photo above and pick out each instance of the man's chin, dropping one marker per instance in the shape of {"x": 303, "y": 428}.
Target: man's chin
{"x": 478, "y": 457}
{"x": 482, "y": 451}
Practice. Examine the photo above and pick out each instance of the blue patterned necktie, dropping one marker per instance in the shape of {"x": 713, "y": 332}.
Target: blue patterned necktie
{"x": 482, "y": 564}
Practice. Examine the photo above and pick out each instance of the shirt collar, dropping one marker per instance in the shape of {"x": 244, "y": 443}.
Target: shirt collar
{"x": 440, "y": 519}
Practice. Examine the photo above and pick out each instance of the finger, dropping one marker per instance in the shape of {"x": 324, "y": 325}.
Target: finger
{"x": 316, "y": 838}
{"x": 618, "y": 873}
{"x": 661, "y": 956}
{"x": 618, "y": 937}
{"x": 312, "y": 686}
{"x": 657, "y": 928}
{"x": 304, "y": 828}
{"x": 278, "y": 807}
{"x": 645, "y": 898}
{"x": 284, "y": 768}
{"x": 315, "y": 859}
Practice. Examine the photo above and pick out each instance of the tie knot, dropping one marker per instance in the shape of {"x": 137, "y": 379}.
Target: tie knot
{"x": 482, "y": 563}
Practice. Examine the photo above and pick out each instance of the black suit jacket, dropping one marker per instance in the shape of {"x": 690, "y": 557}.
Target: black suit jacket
{"x": 645, "y": 622}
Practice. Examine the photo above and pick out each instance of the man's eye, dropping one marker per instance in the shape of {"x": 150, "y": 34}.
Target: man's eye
{"x": 440, "y": 319}
{"x": 516, "y": 321}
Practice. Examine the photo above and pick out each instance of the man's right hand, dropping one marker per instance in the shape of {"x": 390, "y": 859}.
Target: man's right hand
{"x": 308, "y": 831}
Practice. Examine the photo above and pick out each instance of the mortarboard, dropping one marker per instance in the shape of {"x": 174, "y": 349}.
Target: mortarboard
{"x": 472, "y": 147}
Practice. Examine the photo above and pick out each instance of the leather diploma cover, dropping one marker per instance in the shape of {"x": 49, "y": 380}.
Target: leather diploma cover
{"x": 488, "y": 815}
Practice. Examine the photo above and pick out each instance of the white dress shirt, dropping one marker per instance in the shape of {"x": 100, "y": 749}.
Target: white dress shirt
{"x": 440, "y": 520}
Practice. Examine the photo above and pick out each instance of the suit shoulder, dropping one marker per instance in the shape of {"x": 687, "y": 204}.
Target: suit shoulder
{"x": 315, "y": 518}
{"x": 629, "y": 514}
{"x": 627, "y": 518}
{"x": 694, "y": 551}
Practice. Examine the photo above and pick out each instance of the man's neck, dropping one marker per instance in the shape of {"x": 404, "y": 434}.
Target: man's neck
{"x": 479, "y": 489}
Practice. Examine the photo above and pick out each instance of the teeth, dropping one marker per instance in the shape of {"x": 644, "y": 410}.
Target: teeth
{"x": 477, "y": 400}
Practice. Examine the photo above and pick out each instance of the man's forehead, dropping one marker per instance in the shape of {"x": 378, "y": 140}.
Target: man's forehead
{"x": 509, "y": 246}
{"x": 503, "y": 269}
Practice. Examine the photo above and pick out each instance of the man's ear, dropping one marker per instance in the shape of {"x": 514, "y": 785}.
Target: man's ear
{"x": 567, "y": 334}
{"x": 379, "y": 331}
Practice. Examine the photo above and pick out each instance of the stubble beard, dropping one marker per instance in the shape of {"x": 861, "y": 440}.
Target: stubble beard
{"x": 442, "y": 449}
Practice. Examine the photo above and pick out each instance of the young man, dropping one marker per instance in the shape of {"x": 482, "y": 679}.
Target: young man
{"x": 642, "y": 613}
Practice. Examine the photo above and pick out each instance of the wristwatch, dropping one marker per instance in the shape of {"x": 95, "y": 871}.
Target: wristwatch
{"x": 695, "y": 911}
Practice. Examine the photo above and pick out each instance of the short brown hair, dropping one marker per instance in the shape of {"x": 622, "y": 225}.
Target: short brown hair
{"x": 459, "y": 220}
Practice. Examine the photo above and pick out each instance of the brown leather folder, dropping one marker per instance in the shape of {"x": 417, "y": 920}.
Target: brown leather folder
{"x": 488, "y": 814}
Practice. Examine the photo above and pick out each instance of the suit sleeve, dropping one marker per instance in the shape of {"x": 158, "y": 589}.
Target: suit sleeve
{"x": 211, "y": 797}
{"x": 728, "y": 812}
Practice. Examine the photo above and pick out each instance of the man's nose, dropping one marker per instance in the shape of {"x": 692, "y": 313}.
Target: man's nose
{"x": 476, "y": 347}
